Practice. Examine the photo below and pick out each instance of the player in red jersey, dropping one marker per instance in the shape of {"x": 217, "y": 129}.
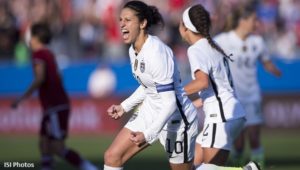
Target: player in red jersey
{"x": 54, "y": 100}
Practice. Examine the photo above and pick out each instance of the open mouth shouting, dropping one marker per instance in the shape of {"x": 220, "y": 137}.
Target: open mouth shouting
{"x": 125, "y": 34}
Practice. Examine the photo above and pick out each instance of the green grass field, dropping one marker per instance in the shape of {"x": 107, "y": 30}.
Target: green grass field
{"x": 282, "y": 149}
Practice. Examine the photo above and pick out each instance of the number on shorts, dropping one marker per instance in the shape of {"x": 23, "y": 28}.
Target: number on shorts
{"x": 178, "y": 146}
{"x": 205, "y": 133}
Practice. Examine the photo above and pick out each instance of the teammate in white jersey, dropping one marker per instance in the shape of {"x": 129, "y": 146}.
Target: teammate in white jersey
{"x": 247, "y": 50}
{"x": 164, "y": 111}
{"x": 224, "y": 115}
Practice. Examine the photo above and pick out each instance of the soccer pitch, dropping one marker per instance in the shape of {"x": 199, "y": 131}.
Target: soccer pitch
{"x": 281, "y": 147}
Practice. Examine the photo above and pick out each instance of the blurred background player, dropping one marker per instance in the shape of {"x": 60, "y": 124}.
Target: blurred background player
{"x": 54, "y": 100}
{"x": 224, "y": 115}
{"x": 247, "y": 48}
{"x": 165, "y": 112}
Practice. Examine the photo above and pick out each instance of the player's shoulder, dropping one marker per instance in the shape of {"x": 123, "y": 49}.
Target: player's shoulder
{"x": 42, "y": 54}
{"x": 158, "y": 48}
{"x": 201, "y": 47}
{"x": 222, "y": 37}
{"x": 256, "y": 39}
{"x": 157, "y": 44}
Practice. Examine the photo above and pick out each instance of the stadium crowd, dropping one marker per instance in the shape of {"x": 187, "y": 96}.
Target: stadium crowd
{"x": 89, "y": 29}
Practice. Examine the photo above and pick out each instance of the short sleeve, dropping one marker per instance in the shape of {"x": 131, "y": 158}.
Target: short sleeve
{"x": 198, "y": 61}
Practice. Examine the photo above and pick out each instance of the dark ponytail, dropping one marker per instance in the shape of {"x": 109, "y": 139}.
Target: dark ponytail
{"x": 201, "y": 20}
{"x": 144, "y": 11}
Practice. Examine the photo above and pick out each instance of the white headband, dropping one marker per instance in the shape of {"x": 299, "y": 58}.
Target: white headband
{"x": 187, "y": 21}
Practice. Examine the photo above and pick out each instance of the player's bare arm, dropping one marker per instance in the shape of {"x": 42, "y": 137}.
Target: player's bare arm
{"x": 271, "y": 68}
{"x": 201, "y": 82}
{"x": 39, "y": 77}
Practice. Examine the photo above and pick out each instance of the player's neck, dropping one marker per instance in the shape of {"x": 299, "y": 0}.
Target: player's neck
{"x": 37, "y": 47}
{"x": 194, "y": 38}
{"x": 140, "y": 41}
{"x": 240, "y": 32}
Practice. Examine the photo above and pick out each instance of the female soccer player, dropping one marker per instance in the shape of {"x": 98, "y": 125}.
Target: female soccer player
{"x": 224, "y": 115}
{"x": 54, "y": 100}
{"x": 164, "y": 112}
{"x": 247, "y": 49}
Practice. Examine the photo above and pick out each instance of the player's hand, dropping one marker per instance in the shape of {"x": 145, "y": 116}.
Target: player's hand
{"x": 138, "y": 138}
{"x": 15, "y": 104}
{"x": 115, "y": 111}
{"x": 198, "y": 103}
{"x": 277, "y": 73}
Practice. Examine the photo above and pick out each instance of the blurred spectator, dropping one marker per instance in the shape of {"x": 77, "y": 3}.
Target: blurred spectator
{"x": 108, "y": 12}
{"x": 8, "y": 32}
{"x": 285, "y": 41}
{"x": 89, "y": 29}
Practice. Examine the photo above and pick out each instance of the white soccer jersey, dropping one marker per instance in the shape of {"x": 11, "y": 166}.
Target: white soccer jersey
{"x": 219, "y": 103}
{"x": 245, "y": 55}
{"x": 155, "y": 70}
